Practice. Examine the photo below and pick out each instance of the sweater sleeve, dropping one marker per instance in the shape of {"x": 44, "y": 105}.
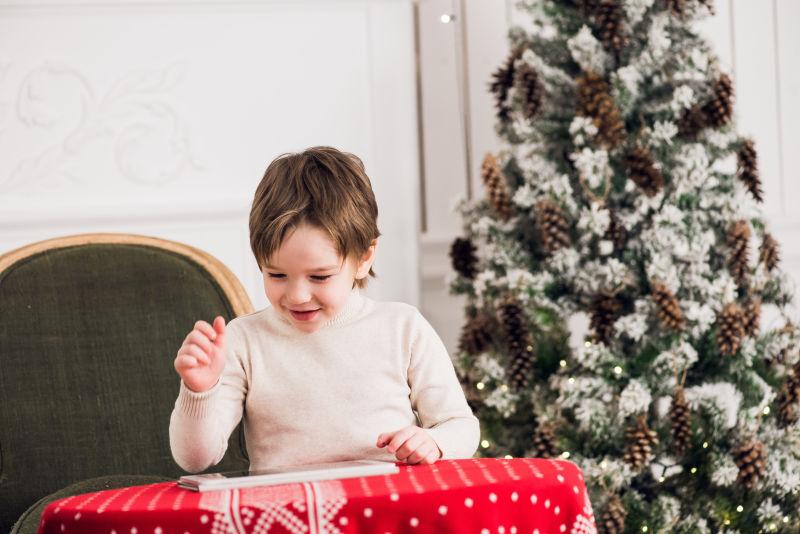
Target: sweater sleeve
{"x": 436, "y": 394}
{"x": 201, "y": 423}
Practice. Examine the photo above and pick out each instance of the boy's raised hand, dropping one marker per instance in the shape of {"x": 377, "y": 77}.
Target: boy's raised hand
{"x": 411, "y": 445}
{"x": 201, "y": 358}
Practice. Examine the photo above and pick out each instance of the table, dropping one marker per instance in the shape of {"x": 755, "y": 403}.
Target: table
{"x": 481, "y": 495}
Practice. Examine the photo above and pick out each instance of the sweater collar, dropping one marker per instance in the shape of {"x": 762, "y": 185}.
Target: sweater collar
{"x": 355, "y": 302}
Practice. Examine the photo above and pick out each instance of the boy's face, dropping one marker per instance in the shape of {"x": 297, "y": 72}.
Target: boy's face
{"x": 306, "y": 279}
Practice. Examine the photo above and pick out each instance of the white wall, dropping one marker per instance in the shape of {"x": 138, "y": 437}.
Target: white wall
{"x": 159, "y": 117}
{"x": 759, "y": 42}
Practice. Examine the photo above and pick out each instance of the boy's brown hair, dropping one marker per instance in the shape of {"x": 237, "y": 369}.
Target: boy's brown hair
{"x": 320, "y": 186}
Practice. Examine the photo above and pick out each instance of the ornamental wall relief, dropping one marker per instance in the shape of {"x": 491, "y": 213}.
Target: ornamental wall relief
{"x": 59, "y": 129}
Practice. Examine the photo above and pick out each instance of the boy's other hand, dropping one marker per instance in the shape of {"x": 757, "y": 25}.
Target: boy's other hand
{"x": 411, "y": 445}
{"x": 201, "y": 358}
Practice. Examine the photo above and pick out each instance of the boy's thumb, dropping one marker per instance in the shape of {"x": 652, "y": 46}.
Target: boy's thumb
{"x": 219, "y": 328}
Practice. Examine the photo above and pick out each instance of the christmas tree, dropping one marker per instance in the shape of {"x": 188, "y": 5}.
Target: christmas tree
{"x": 625, "y": 195}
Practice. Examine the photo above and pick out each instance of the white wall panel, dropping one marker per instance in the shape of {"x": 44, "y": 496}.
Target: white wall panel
{"x": 160, "y": 117}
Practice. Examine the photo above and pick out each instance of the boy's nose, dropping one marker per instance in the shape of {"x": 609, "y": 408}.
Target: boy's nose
{"x": 298, "y": 294}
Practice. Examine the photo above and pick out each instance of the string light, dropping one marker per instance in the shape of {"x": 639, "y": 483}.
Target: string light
{"x": 504, "y": 388}
{"x": 705, "y": 444}
{"x": 786, "y": 519}
{"x": 565, "y": 455}
{"x": 508, "y": 457}
{"x": 661, "y": 479}
{"x": 766, "y": 410}
{"x": 644, "y": 528}
{"x": 571, "y": 380}
{"x": 563, "y": 363}
{"x": 740, "y": 508}
{"x": 617, "y": 370}
{"x": 587, "y": 344}
{"x": 480, "y": 385}
{"x": 485, "y": 444}
{"x": 603, "y": 464}
{"x": 727, "y": 521}
{"x": 447, "y": 18}
{"x": 694, "y": 470}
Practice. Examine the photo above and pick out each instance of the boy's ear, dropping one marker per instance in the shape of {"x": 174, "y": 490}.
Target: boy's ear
{"x": 366, "y": 261}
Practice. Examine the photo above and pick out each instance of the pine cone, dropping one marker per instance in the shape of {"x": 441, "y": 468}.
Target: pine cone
{"x": 502, "y": 81}
{"x": 788, "y": 397}
{"x": 605, "y": 311}
{"x": 613, "y": 519}
{"x": 739, "y": 243}
{"x": 719, "y": 109}
{"x": 748, "y": 169}
{"x": 608, "y": 18}
{"x": 669, "y": 310}
{"x": 596, "y": 102}
{"x": 643, "y": 172}
{"x": 731, "y": 329}
{"x": 692, "y": 122}
{"x": 520, "y": 346}
{"x": 769, "y": 253}
{"x": 462, "y": 257}
{"x": 616, "y": 232}
{"x": 680, "y": 416}
{"x": 552, "y": 225}
{"x": 475, "y": 335}
{"x": 751, "y": 459}
{"x": 544, "y": 441}
{"x": 496, "y": 187}
{"x": 752, "y": 317}
{"x": 531, "y": 89}
{"x": 639, "y": 443}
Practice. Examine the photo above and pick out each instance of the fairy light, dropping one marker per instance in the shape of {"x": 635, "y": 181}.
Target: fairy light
{"x": 563, "y": 363}
{"x": 694, "y": 470}
{"x": 587, "y": 344}
{"x": 644, "y": 528}
{"x": 786, "y": 519}
{"x": 705, "y": 444}
{"x": 504, "y": 388}
{"x": 766, "y": 410}
{"x": 727, "y": 521}
{"x": 480, "y": 385}
{"x": 617, "y": 370}
{"x": 447, "y": 18}
{"x": 508, "y": 457}
{"x": 571, "y": 380}
{"x": 740, "y": 508}
{"x": 661, "y": 479}
{"x": 565, "y": 455}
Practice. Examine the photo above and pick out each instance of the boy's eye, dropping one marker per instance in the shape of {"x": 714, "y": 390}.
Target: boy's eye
{"x": 321, "y": 278}
{"x": 277, "y": 275}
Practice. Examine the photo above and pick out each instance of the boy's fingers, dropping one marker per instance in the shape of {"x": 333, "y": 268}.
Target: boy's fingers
{"x": 384, "y": 438}
{"x": 400, "y": 437}
{"x": 431, "y": 457}
{"x": 185, "y": 362}
{"x": 413, "y": 444}
{"x": 198, "y": 353}
{"x": 205, "y": 328}
{"x": 419, "y": 454}
{"x": 200, "y": 340}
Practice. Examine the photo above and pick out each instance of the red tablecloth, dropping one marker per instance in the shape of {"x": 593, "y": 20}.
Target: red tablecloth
{"x": 460, "y": 496}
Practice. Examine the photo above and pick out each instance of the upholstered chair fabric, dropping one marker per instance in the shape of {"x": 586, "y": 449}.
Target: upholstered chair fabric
{"x": 88, "y": 335}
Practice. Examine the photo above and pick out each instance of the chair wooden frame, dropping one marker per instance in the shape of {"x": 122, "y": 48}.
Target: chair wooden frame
{"x": 227, "y": 281}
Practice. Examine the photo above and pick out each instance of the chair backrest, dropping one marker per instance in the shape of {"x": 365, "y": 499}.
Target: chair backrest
{"x": 89, "y": 326}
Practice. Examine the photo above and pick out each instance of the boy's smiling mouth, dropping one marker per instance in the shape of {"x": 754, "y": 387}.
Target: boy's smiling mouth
{"x": 306, "y": 315}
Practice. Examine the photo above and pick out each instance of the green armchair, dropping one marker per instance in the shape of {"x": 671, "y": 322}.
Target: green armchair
{"x": 89, "y": 326}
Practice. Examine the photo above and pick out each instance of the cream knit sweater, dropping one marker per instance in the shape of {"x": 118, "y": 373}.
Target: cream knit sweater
{"x": 325, "y": 396}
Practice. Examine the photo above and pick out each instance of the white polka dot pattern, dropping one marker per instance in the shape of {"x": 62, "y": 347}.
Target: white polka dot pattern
{"x": 503, "y": 496}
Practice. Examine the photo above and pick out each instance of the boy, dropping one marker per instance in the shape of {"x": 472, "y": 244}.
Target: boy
{"x": 324, "y": 374}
